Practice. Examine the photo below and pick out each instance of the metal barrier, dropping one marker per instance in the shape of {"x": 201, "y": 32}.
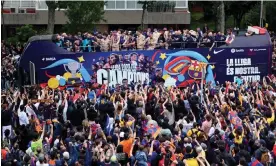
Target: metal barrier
{"x": 170, "y": 45}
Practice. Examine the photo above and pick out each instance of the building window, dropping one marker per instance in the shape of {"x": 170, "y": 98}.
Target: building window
{"x": 131, "y": 4}
{"x": 122, "y": 5}
{"x": 110, "y": 4}
{"x": 181, "y": 4}
{"x": 138, "y": 6}
{"x": 41, "y": 5}
{"x": 12, "y": 4}
{"x": 27, "y": 4}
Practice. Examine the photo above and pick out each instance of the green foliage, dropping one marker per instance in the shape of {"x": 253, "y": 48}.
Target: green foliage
{"x": 41, "y": 31}
{"x": 13, "y": 40}
{"x": 83, "y": 15}
{"x": 23, "y": 34}
{"x": 238, "y": 10}
{"x": 235, "y": 12}
{"x": 209, "y": 8}
{"x": 253, "y": 16}
{"x": 140, "y": 28}
{"x": 57, "y": 4}
{"x": 270, "y": 14}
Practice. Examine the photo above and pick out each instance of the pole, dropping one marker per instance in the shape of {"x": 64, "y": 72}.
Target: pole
{"x": 261, "y": 14}
{"x": 202, "y": 82}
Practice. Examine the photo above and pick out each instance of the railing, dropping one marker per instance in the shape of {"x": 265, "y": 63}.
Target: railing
{"x": 170, "y": 46}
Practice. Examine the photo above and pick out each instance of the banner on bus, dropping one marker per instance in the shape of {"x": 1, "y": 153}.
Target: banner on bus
{"x": 176, "y": 67}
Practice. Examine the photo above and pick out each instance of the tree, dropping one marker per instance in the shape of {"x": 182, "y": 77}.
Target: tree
{"x": 83, "y": 15}
{"x": 145, "y": 6}
{"x": 253, "y": 16}
{"x": 239, "y": 9}
{"x": 3, "y": 22}
{"x": 52, "y": 6}
{"x": 155, "y": 6}
{"x": 23, "y": 34}
{"x": 270, "y": 8}
{"x": 221, "y": 17}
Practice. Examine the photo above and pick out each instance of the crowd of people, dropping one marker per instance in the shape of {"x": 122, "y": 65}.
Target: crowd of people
{"x": 148, "y": 39}
{"x": 9, "y": 56}
{"x": 135, "y": 125}
{"x": 273, "y": 39}
{"x": 231, "y": 124}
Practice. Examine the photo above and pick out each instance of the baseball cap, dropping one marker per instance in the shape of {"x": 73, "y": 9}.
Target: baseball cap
{"x": 66, "y": 155}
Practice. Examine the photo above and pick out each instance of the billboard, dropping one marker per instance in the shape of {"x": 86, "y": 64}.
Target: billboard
{"x": 176, "y": 67}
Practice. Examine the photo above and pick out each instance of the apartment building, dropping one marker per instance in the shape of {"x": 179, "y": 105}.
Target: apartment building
{"x": 118, "y": 14}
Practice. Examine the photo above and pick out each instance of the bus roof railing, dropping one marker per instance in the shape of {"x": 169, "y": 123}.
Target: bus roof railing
{"x": 42, "y": 37}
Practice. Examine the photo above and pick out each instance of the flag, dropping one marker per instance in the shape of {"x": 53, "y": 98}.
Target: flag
{"x": 76, "y": 97}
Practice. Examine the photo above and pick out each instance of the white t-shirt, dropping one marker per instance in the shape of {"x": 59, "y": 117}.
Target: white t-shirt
{"x": 170, "y": 116}
{"x": 39, "y": 164}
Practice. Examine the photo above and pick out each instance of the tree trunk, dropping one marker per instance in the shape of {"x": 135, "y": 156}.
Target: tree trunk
{"x": 143, "y": 15}
{"x": 222, "y": 17}
{"x": 51, "y": 18}
{"x": 3, "y": 22}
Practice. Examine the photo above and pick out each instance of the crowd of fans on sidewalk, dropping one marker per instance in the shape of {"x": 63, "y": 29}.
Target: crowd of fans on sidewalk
{"x": 9, "y": 56}
{"x": 140, "y": 125}
{"x": 273, "y": 39}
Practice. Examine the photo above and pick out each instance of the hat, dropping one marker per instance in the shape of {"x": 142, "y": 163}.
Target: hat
{"x": 41, "y": 157}
{"x": 113, "y": 159}
{"x": 66, "y": 155}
